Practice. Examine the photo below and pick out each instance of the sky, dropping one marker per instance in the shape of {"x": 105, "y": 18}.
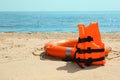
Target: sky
{"x": 59, "y": 5}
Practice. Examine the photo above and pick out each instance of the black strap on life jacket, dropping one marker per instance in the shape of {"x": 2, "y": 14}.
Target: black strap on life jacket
{"x": 88, "y": 39}
{"x": 88, "y": 50}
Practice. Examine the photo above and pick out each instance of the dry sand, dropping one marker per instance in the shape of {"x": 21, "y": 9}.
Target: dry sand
{"x": 17, "y": 61}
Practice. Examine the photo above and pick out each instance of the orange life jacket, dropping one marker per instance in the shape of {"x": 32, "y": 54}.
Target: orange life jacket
{"x": 89, "y": 49}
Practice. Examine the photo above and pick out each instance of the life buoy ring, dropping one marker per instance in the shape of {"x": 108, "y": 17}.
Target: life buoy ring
{"x": 60, "y": 48}
{"x": 86, "y": 50}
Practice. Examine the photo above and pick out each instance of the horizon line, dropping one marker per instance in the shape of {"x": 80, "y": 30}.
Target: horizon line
{"x": 61, "y": 11}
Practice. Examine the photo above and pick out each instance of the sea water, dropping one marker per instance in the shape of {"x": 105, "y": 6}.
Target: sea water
{"x": 109, "y": 21}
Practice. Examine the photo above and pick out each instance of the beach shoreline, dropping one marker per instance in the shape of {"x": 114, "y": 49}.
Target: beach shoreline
{"x": 17, "y": 61}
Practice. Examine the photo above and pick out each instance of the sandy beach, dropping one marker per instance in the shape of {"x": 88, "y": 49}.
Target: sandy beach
{"x": 17, "y": 61}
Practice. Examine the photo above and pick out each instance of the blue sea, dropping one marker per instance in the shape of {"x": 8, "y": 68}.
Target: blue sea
{"x": 109, "y": 21}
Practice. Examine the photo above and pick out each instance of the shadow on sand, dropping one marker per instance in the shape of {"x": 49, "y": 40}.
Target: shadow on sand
{"x": 69, "y": 66}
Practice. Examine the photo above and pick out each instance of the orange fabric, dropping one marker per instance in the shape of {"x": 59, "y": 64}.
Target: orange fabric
{"x": 67, "y": 43}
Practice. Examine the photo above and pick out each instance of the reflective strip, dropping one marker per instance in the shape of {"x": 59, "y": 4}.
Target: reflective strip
{"x": 68, "y": 52}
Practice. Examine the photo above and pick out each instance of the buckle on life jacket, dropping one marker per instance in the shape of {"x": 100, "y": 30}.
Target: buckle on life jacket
{"x": 88, "y": 62}
{"x": 88, "y": 39}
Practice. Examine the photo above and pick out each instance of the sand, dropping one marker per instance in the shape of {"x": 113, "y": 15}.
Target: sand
{"x": 17, "y": 61}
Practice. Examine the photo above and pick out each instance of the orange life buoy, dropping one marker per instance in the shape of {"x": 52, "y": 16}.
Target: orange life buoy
{"x": 60, "y": 49}
{"x": 86, "y": 50}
